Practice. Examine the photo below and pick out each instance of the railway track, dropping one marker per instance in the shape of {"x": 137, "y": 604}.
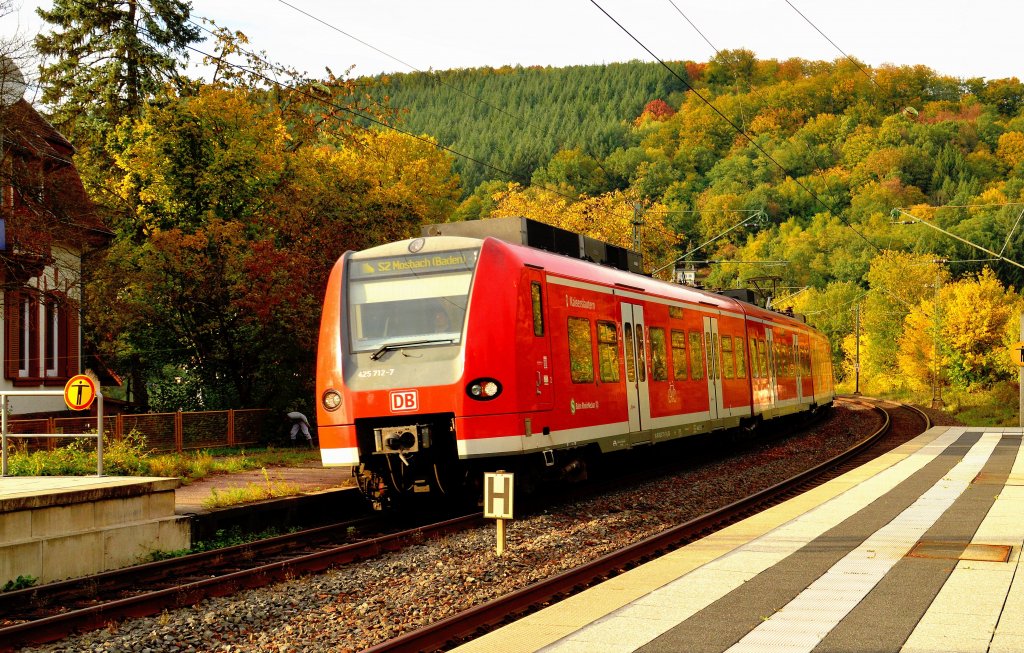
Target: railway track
{"x": 901, "y": 424}
{"x": 50, "y": 612}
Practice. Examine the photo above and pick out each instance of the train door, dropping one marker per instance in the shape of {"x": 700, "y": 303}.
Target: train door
{"x": 634, "y": 354}
{"x": 541, "y": 350}
{"x": 773, "y": 377}
{"x": 711, "y": 346}
{"x": 798, "y": 363}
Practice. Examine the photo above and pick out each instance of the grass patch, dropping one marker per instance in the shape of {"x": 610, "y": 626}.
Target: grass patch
{"x": 221, "y": 540}
{"x": 269, "y": 489}
{"x": 997, "y": 406}
{"x": 195, "y": 465}
{"x": 19, "y": 583}
{"x": 130, "y": 456}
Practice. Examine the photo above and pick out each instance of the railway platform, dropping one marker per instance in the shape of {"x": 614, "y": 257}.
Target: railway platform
{"x": 917, "y": 551}
{"x": 56, "y": 527}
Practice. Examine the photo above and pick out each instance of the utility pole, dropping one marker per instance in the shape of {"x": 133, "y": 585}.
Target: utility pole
{"x": 638, "y": 221}
{"x": 856, "y": 364}
{"x": 937, "y": 388}
{"x": 1020, "y": 374}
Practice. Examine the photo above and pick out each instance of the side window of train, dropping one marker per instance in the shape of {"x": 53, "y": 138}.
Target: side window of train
{"x": 641, "y": 354}
{"x": 762, "y": 357}
{"x": 608, "y": 351}
{"x": 696, "y": 356}
{"x": 741, "y": 360}
{"x": 627, "y": 342}
{"x": 728, "y": 360}
{"x": 581, "y": 351}
{"x": 659, "y": 357}
{"x": 755, "y": 368}
{"x": 538, "y": 308}
{"x": 678, "y": 355}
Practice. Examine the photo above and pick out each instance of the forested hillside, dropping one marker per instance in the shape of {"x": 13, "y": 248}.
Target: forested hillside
{"x": 516, "y": 118}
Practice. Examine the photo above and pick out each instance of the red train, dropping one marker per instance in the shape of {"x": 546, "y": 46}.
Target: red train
{"x": 443, "y": 357}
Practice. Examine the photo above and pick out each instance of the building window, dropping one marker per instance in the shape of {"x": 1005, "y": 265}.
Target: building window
{"x": 51, "y": 336}
{"x": 41, "y": 346}
{"x": 26, "y": 335}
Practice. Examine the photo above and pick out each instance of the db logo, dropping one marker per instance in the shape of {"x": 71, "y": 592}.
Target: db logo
{"x": 404, "y": 400}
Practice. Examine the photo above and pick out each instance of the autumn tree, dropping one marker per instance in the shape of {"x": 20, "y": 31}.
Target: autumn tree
{"x": 215, "y": 282}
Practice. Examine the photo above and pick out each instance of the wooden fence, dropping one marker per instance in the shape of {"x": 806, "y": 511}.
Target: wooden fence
{"x": 166, "y": 431}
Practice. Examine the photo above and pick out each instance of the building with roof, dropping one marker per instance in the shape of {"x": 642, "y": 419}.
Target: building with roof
{"x": 47, "y": 226}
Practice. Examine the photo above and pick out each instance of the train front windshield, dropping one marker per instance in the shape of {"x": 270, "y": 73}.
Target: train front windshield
{"x": 411, "y": 299}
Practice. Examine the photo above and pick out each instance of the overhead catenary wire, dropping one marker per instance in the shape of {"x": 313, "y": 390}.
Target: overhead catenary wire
{"x": 916, "y": 220}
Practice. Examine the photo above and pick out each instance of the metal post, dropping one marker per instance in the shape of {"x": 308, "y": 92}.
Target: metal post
{"x": 937, "y": 388}
{"x": 1020, "y": 376}
{"x": 99, "y": 433}
{"x": 3, "y": 431}
{"x": 856, "y": 364}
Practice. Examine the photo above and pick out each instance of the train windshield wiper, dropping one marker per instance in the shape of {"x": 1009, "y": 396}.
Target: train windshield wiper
{"x": 402, "y": 345}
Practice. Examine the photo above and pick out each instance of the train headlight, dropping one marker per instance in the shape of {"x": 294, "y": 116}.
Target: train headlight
{"x": 484, "y": 389}
{"x": 331, "y": 400}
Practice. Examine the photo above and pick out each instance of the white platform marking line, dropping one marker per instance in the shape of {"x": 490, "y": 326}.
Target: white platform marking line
{"x": 796, "y": 627}
{"x": 633, "y": 625}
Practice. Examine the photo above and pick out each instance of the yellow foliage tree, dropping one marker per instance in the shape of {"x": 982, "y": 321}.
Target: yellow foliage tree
{"x": 1011, "y": 148}
{"x": 607, "y": 217}
{"x": 917, "y": 351}
{"x": 978, "y": 318}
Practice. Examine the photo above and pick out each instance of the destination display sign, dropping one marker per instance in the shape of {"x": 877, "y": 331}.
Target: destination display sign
{"x": 391, "y": 266}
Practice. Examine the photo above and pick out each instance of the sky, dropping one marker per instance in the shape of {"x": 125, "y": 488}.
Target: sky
{"x": 975, "y": 39}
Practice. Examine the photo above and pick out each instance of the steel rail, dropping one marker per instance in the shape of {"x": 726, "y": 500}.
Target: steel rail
{"x": 462, "y": 626}
{"x": 57, "y": 626}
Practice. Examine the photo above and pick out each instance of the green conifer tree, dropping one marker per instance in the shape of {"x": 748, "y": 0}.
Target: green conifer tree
{"x": 105, "y": 58}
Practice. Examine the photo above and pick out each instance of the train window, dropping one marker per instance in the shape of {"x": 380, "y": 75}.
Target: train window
{"x": 762, "y": 358}
{"x": 712, "y": 344}
{"x": 755, "y": 369}
{"x": 538, "y": 308}
{"x": 741, "y": 359}
{"x": 728, "y": 358}
{"x": 608, "y": 351}
{"x": 581, "y": 351}
{"x": 696, "y": 356}
{"x": 676, "y": 312}
{"x": 417, "y": 299}
{"x": 678, "y": 355}
{"x": 659, "y": 365}
{"x": 627, "y": 342}
{"x": 641, "y": 354}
